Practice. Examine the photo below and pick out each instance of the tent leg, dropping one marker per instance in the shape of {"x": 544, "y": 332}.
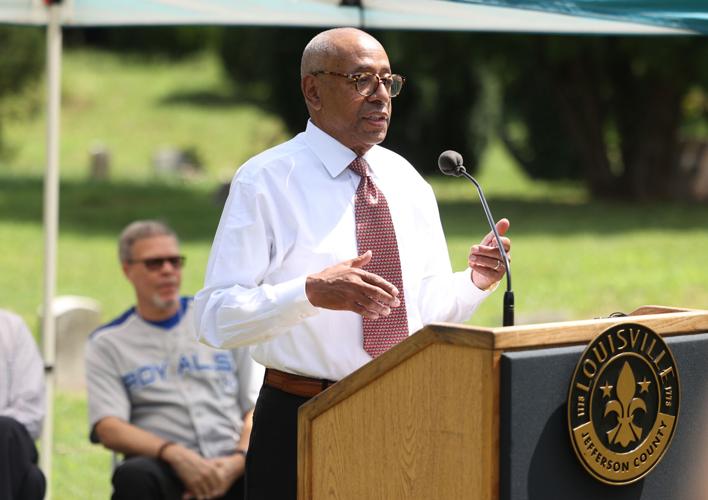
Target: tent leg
{"x": 51, "y": 230}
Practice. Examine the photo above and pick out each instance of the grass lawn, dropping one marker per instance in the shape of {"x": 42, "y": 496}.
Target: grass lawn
{"x": 81, "y": 470}
{"x": 573, "y": 258}
{"x": 133, "y": 108}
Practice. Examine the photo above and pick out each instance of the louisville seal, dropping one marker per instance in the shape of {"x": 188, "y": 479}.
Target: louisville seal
{"x": 623, "y": 404}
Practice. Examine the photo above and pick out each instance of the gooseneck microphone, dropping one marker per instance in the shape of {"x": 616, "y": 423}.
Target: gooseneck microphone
{"x": 450, "y": 163}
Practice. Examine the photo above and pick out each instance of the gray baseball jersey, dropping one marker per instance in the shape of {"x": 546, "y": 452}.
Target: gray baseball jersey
{"x": 158, "y": 377}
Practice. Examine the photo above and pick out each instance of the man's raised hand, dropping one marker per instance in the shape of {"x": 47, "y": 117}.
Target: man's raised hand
{"x": 485, "y": 259}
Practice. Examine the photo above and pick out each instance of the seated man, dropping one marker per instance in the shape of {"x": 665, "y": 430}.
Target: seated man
{"x": 21, "y": 410}
{"x": 178, "y": 410}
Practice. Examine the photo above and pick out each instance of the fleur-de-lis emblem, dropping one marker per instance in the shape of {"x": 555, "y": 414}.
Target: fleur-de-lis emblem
{"x": 625, "y": 406}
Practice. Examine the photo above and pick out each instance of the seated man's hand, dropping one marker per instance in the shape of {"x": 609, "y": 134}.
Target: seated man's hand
{"x": 201, "y": 477}
{"x": 230, "y": 469}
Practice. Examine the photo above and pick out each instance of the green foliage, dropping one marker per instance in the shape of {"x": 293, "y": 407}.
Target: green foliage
{"x": 21, "y": 63}
{"x": 440, "y": 106}
{"x": 171, "y": 42}
{"x": 531, "y": 127}
{"x": 263, "y": 65}
{"x": 21, "y": 57}
{"x": 610, "y": 110}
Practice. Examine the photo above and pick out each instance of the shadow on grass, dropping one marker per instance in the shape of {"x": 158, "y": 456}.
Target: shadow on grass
{"x": 93, "y": 208}
{"x": 105, "y": 208}
{"x": 556, "y": 218}
{"x": 207, "y": 98}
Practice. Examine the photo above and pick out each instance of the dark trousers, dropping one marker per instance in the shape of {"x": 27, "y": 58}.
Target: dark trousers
{"x": 145, "y": 478}
{"x": 271, "y": 466}
{"x": 20, "y": 478}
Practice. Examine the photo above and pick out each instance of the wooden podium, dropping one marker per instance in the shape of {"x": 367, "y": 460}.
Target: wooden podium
{"x": 444, "y": 415}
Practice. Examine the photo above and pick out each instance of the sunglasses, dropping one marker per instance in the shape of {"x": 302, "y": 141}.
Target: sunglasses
{"x": 156, "y": 263}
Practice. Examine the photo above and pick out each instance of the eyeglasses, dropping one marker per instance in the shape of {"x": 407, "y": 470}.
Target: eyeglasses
{"x": 367, "y": 83}
{"x": 156, "y": 263}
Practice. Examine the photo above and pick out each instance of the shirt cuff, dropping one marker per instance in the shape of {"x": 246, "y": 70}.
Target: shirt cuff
{"x": 293, "y": 292}
{"x": 466, "y": 288}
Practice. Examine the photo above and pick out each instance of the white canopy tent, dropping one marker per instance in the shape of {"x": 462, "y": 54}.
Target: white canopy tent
{"x": 491, "y": 15}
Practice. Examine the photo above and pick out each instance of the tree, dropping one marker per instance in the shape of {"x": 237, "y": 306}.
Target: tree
{"x": 21, "y": 62}
{"x": 611, "y": 111}
{"x": 437, "y": 109}
{"x": 169, "y": 42}
{"x": 263, "y": 65}
{"x": 443, "y": 103}
{"x": 607, "y": 109}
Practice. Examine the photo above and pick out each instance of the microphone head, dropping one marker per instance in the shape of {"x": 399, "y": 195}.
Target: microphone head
{"x": 450, "y": 163}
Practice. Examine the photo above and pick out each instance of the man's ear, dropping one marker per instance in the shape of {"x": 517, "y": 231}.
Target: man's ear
{"x": 311, "y": 92}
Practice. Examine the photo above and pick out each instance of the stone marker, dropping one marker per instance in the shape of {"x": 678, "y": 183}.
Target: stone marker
{"x": 99, "y": 163}
{"x": 76, "y": 317}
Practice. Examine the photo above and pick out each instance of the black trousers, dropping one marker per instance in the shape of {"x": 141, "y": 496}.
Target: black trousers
{"x": 146, "y": 478}
{"x": 271, "y": 466}
{"x": 20, "y": 478}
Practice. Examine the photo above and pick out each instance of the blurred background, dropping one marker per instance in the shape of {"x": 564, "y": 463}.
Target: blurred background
{"x": 595, "y": 147}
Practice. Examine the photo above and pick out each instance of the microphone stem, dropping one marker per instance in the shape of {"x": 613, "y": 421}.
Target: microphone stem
{"x": 490, "y": 220}
{"x": 508, "y": 316}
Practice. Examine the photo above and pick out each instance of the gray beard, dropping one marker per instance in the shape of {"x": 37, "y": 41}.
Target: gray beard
{"x": 162, "y": 304}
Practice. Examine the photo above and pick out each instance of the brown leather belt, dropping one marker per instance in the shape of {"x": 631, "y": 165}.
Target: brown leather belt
{"x": 298, "y": 385}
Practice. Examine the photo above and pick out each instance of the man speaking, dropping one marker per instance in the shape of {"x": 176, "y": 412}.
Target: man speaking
{"x": 330, "y": 251}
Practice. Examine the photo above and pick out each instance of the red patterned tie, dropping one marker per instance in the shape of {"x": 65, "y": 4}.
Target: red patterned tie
{"x": 374, "y": 231}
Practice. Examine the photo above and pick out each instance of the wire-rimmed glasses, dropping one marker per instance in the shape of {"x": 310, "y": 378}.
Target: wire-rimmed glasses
{"x": 367, "y": 83}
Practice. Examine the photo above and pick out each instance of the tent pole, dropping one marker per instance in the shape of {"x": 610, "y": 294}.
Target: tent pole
{"x": 51, "y": 230}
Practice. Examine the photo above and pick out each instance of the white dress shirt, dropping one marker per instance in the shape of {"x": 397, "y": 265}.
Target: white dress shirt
{"x": 21, "y": 374}
{"x": 289, "y": 214}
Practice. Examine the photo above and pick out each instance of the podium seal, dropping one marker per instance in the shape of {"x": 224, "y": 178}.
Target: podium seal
{"x": 623, "y": 404}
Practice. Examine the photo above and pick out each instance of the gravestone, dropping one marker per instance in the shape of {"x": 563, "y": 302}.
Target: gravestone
{"x": 692, "y": 181}
{"x": 99, "y": 163}
{"x": 167, "y": 161}
{"x": 76, "y": 317}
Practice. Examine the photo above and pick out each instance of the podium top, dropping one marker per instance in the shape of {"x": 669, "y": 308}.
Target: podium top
{"x": 665, "y": 321}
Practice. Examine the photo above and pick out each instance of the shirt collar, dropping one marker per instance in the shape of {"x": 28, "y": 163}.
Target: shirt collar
{"x": 334, "y": 155}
